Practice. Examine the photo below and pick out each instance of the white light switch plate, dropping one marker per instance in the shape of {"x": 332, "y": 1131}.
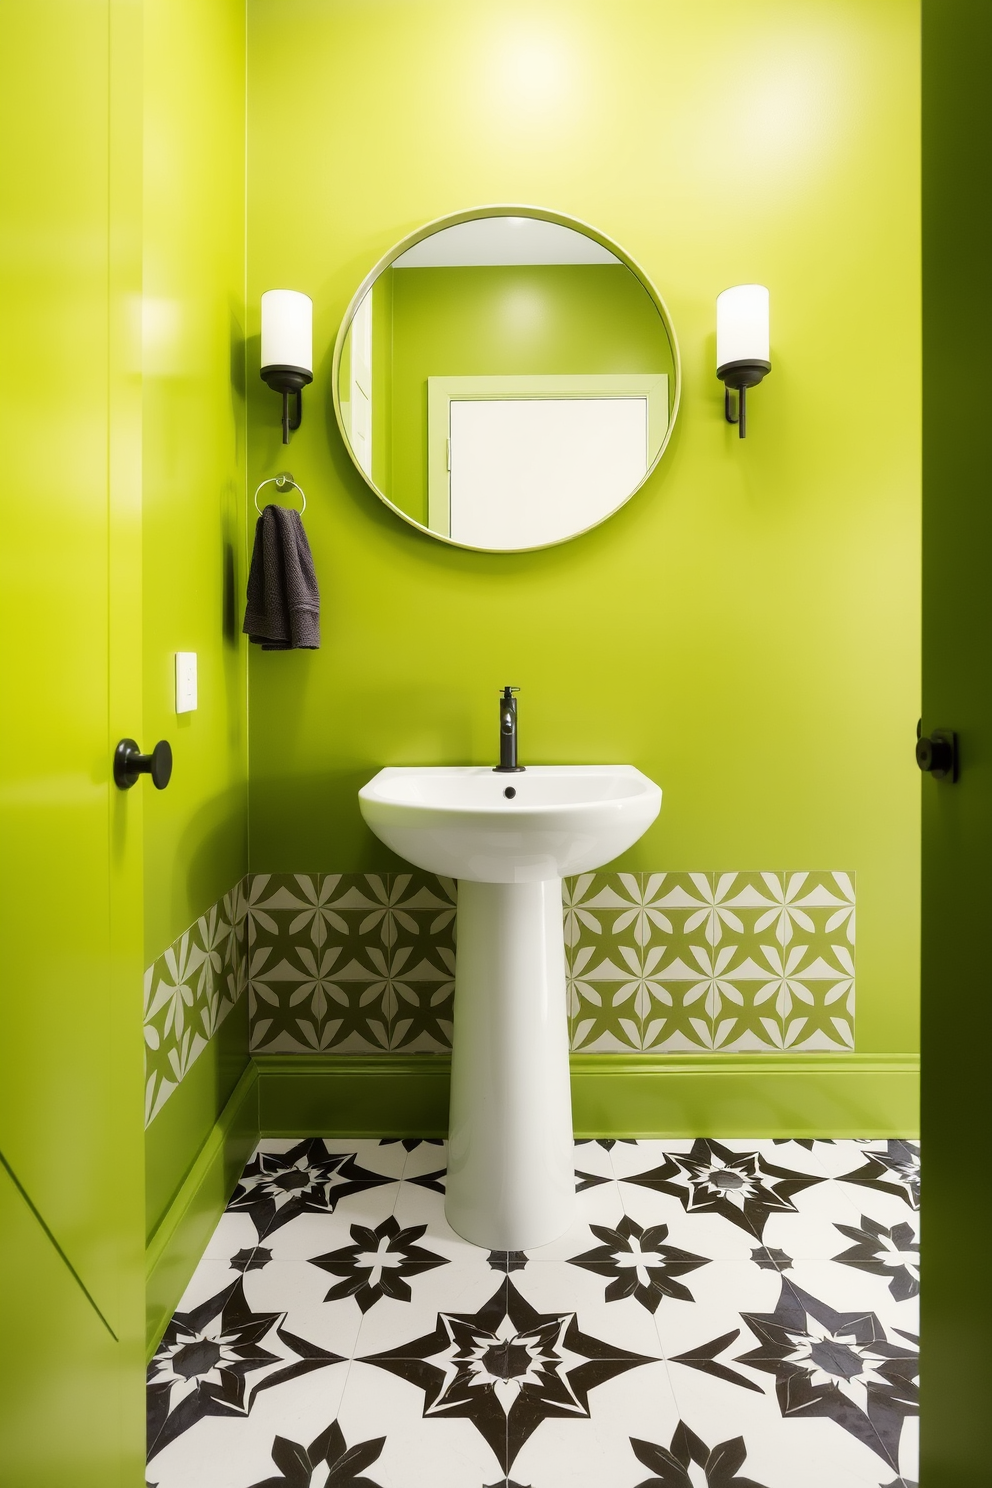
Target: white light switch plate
{"x": 185, "y": 681}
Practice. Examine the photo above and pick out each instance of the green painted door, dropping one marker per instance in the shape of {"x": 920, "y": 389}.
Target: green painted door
{"x": 956, "y": 1361}
{"x": 70, "y": 903}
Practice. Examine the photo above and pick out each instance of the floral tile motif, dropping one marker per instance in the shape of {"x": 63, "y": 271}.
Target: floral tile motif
{"x": 659, "y": 962}
{"x": 364, "y": 963}
{"x": 189, "y": 991}
{"x": 684, "y": 962}
{"x": 756, "y": 961}
{"x": 351, "y": 963}
{"x": 376, "y": 1359}
{"x": 215, "y": 1359}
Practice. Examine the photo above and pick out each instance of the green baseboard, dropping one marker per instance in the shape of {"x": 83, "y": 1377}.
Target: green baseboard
{"x": 681, "y": 1095}
{"x": 735, "y": 1095}
{"x": 177, "y": 1244}
{"x": 353, "y": 1095}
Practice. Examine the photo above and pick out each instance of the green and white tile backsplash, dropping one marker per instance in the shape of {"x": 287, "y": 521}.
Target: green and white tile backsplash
{"x": 189, "y": 991}
{"x": 356, "y": 963}
{"x": 693, "y": 962}
{"x": 359, "y": 963}
{"x": 673, "y": 962}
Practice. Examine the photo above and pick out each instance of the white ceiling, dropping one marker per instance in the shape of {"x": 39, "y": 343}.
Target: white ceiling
{"x": 504, "y": 240}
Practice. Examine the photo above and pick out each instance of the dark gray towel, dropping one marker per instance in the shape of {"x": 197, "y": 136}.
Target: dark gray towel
{"x": 282, "y": 612}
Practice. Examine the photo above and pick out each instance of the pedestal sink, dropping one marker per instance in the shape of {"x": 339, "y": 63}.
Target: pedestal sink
{"x": 509, "y": 840}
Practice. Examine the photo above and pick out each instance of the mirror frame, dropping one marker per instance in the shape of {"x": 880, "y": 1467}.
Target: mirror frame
{"x": 453, "y": 220}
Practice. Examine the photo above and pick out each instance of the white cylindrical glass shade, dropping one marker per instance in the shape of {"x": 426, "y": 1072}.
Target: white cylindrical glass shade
{"x": 742, "y": 325}
{"x": 287, "y": 329}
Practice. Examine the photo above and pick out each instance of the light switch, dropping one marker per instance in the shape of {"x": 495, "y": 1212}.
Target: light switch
{"x": 185, "y": 681}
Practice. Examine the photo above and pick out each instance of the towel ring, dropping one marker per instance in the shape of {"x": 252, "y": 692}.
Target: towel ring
{"x": 283, "y": 482}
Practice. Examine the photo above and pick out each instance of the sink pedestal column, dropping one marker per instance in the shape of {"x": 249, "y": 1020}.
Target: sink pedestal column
{"x": 511, "y": 1180}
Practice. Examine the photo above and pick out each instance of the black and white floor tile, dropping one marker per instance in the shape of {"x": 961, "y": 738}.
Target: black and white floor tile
{"x": 720, "y": 1315}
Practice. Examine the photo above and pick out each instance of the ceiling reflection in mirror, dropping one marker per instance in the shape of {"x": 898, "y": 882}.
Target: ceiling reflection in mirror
{"x": 506, "y": 382}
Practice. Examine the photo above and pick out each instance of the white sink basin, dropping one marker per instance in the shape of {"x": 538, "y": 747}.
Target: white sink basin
{"x": 560, "y": 819}
{"x": 510, "y": 839}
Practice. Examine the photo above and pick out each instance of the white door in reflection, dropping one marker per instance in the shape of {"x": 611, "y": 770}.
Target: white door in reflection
{"x": 529, "y": 471}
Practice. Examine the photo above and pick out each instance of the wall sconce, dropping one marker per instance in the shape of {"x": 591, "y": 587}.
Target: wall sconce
{"x": 287, "y": 349}
{"x": 741, "y": 346}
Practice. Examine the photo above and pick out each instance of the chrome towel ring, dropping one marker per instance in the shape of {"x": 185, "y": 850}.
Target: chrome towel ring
{"x": 283, "y": 482}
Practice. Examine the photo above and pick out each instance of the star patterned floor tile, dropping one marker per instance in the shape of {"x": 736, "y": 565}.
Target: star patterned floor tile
{"x": 378, "y": 1262}
{"x": 595, "y": 1158}
{"x": 422, "y": 1154}
{"x": 707, "y": 1234}
{"x": 457, "y": 1285}
{"x": 740, "y": 1185}
{"x": 507, "y": 1367}
{"x": 813, "y": 1347}
{"x": 217, "y": 1357}
{"x": 889, "y": 1171}
{"x": 419, "y": 1452}
{"x": 638, "y": 1262}
{"x": 417, "y": 1205}
{"x": 381, "y": 1155}
{"x": 720, "y": 1291}
{"x": 277, "y": 1187}
{"x": 779, "y": 1454}
{"x": 813, "y": 1232}
{"x": 598, "y": 1452}
{"x": 296, "y": 1288}
{"x": 890, "y": 1251}
{"x": 738, "y": 1314}
{"x": 619, "y": 1320}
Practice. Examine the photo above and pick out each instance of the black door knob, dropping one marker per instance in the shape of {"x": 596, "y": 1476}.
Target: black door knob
{"x": 129, "y": 763}
{"x": 938, "y": 754}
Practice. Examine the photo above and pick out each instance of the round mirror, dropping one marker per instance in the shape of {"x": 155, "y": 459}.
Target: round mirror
{"x": 506, "y": 378}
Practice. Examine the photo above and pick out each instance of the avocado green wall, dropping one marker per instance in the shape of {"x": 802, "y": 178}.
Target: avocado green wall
{"x": 515, "y": 320}
{"x": 174, "y": 1138}
{"x": 956, "y": 1437}
{"x": 746, "y": 629}
{"x": 193, "y": 481}
{"x": 193, "y": 452}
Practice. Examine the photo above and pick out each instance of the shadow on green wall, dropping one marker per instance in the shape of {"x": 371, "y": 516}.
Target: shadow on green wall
{"x": 212, "y": 850}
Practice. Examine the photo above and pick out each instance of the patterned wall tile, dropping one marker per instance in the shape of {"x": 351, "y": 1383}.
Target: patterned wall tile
{"x": 659, "y": 962}
{"x": 769, "y": 964}
{"x": 364, "y": 963}
{"x": 189, "y": 991}
{"x": 614, "y": 943}
{"x": 351, "y": 963}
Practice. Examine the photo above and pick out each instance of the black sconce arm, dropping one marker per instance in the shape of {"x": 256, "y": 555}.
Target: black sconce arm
{"x": 741, "y": 376}
{"x": 290, "y": 381}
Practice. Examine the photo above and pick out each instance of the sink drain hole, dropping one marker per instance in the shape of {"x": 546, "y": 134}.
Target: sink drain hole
{"x": 510, "y": 792}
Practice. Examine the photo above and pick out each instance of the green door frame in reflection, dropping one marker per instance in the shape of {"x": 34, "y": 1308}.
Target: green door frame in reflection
{"x": 456, "y": 219}
{"x": 443, "y": 391}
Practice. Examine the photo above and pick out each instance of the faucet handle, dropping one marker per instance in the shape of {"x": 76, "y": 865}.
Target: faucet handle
{"x": 509, "y": 691}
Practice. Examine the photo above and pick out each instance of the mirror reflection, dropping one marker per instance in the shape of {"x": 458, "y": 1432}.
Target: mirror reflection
{"x": 506, "y": 383}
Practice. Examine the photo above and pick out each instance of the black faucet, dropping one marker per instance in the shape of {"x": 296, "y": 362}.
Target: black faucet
{"x": 508, "y": 733}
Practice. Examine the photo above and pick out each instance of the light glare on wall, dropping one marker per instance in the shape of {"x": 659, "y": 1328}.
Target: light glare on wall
{"x": 742, "y": 346}
{"x": 287, "y": 350}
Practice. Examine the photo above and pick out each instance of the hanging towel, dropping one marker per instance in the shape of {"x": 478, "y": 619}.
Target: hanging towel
{"x": 282, "y": 612}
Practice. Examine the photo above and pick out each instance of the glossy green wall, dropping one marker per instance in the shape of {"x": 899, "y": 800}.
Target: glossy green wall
{"x": 494, "y": 321}
{"x": 193, "y": 449}
{"x": 193, "y": 481}
{"x": 746, "y": 629}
